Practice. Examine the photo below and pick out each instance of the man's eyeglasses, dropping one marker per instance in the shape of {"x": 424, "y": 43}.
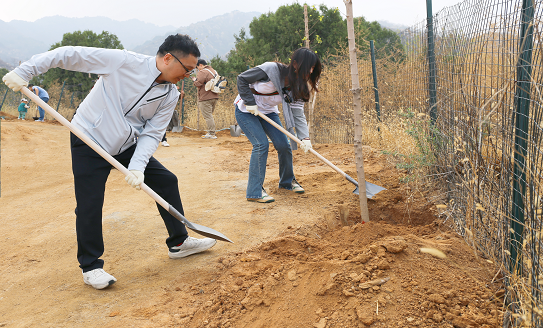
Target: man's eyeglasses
{"x": 186, "y": 69}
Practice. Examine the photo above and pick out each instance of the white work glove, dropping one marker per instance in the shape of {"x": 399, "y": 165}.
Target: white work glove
{"x": 135, "y": 179}
{"x": 306, "y": 145}
{"x": 27, "y": 107}
{"x": 253, "y": 109}
{"x": 14, "y": 81}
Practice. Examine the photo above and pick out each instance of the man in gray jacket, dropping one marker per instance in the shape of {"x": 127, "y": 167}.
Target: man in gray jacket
{"x": 126, "y": 113}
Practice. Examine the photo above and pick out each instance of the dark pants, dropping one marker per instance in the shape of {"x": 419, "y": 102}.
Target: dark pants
{"x": 90, "y": 175}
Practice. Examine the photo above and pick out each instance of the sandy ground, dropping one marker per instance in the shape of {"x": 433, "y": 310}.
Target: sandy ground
{"x": 303, "y": 261}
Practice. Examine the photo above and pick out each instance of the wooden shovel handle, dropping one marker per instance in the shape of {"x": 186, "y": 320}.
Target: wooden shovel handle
{"x": 298, "y": 141}
{"x": 92, "y": 144}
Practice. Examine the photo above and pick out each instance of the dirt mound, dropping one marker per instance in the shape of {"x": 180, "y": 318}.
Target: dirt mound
{"x": 363, "y": 275}
{"x": 306, "y": 260}
{"x": 341, "y": 272}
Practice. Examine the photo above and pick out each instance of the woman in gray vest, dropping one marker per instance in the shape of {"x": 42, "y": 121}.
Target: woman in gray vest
{"x": 261, "y": 89}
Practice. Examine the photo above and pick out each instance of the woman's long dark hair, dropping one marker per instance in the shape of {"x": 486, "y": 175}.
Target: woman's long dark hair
{"x": 298, "y": 74}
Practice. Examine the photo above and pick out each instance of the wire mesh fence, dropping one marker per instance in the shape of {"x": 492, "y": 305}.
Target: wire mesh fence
{"x": 483, "y": 146}
{"x": 224, "y": 110}
{"x": 63, "y": 100}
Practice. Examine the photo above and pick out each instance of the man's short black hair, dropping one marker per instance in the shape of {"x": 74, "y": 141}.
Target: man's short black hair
{"x": 181, "y": 44}
{"x": 201, "y": 61}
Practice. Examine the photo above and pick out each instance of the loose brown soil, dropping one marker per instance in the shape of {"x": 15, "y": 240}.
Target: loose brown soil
{"x": 303, "y": 261}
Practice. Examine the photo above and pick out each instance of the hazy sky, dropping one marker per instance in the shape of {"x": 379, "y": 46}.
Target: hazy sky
{"x": 182, "y": 12}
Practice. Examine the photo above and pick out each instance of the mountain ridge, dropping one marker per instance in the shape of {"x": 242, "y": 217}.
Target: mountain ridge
{"x": 20, "y": 40}
{"x": 215, "y": 36}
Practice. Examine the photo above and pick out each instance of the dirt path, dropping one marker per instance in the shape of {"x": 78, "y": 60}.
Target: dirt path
{"x": 42, "y": 284}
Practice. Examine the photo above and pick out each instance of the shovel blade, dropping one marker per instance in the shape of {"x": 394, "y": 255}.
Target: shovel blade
{"x": 177, "y": 129}
{"x": 207, "y": 232}
{"x": 199, "y": 229}
{"x": 372, "y": 189}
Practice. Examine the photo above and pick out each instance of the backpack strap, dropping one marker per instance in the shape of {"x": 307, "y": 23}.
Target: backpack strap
{"x": 214, "y": 75}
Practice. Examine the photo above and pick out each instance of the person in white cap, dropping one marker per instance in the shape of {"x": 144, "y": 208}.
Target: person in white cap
{"x": 23, "y": 108}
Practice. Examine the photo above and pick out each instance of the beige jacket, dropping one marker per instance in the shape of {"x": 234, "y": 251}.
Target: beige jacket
{"x": 202, "y": 78}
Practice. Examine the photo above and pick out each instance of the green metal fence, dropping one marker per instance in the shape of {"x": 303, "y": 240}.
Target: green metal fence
{"x": 479, "y": 129}
{"x": 62, "y": 99}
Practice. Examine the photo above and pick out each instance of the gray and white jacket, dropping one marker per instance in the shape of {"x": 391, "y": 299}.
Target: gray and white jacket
{"x": 269, "y": 71}
{"x": 125, "y": 107}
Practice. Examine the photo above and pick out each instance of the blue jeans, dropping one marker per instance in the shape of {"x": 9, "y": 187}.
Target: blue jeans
{"x": 42, "y": 112}
{"x": 257, "y": 130}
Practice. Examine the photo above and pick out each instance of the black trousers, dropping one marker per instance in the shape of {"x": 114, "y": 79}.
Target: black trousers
{"x": 90, "y": 175}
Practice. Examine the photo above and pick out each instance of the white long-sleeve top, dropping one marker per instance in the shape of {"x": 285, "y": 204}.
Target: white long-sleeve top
{"x": 266, "y": 104}
{"x": 126, "y": 106}
{"x": 259, "y": 80}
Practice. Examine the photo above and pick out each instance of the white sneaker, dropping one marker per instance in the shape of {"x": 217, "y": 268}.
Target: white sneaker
{"x": 165, "y": 144}
{"x": 209, "y": 136}
{"x": 98, "y": 278}
{"x": 296, "y": 187}
{"x": 191, "y": 246}
{"x": 264, "y": 199}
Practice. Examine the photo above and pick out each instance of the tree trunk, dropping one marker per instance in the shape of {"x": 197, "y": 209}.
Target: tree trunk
{"x": 311, "y": 104}
{"x": 357, "y": 104}
{"x": 306, "y": 27}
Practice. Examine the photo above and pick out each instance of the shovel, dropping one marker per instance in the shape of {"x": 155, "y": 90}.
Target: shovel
{"x": 179, "y": 128}
{"x": 37, "y": 113}
{"x": 200, "y": 229}
{"x": 371, "y": 189}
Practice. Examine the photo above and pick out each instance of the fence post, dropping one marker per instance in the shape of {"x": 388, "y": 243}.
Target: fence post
{"x": 431, "y": 63}
{"x": 72, "y": 99}
{"x": 61, "y": 92}
{"x": 522, "y": 114}
{"x": 375, "y": 87}
{"x": 3, "y": 99}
